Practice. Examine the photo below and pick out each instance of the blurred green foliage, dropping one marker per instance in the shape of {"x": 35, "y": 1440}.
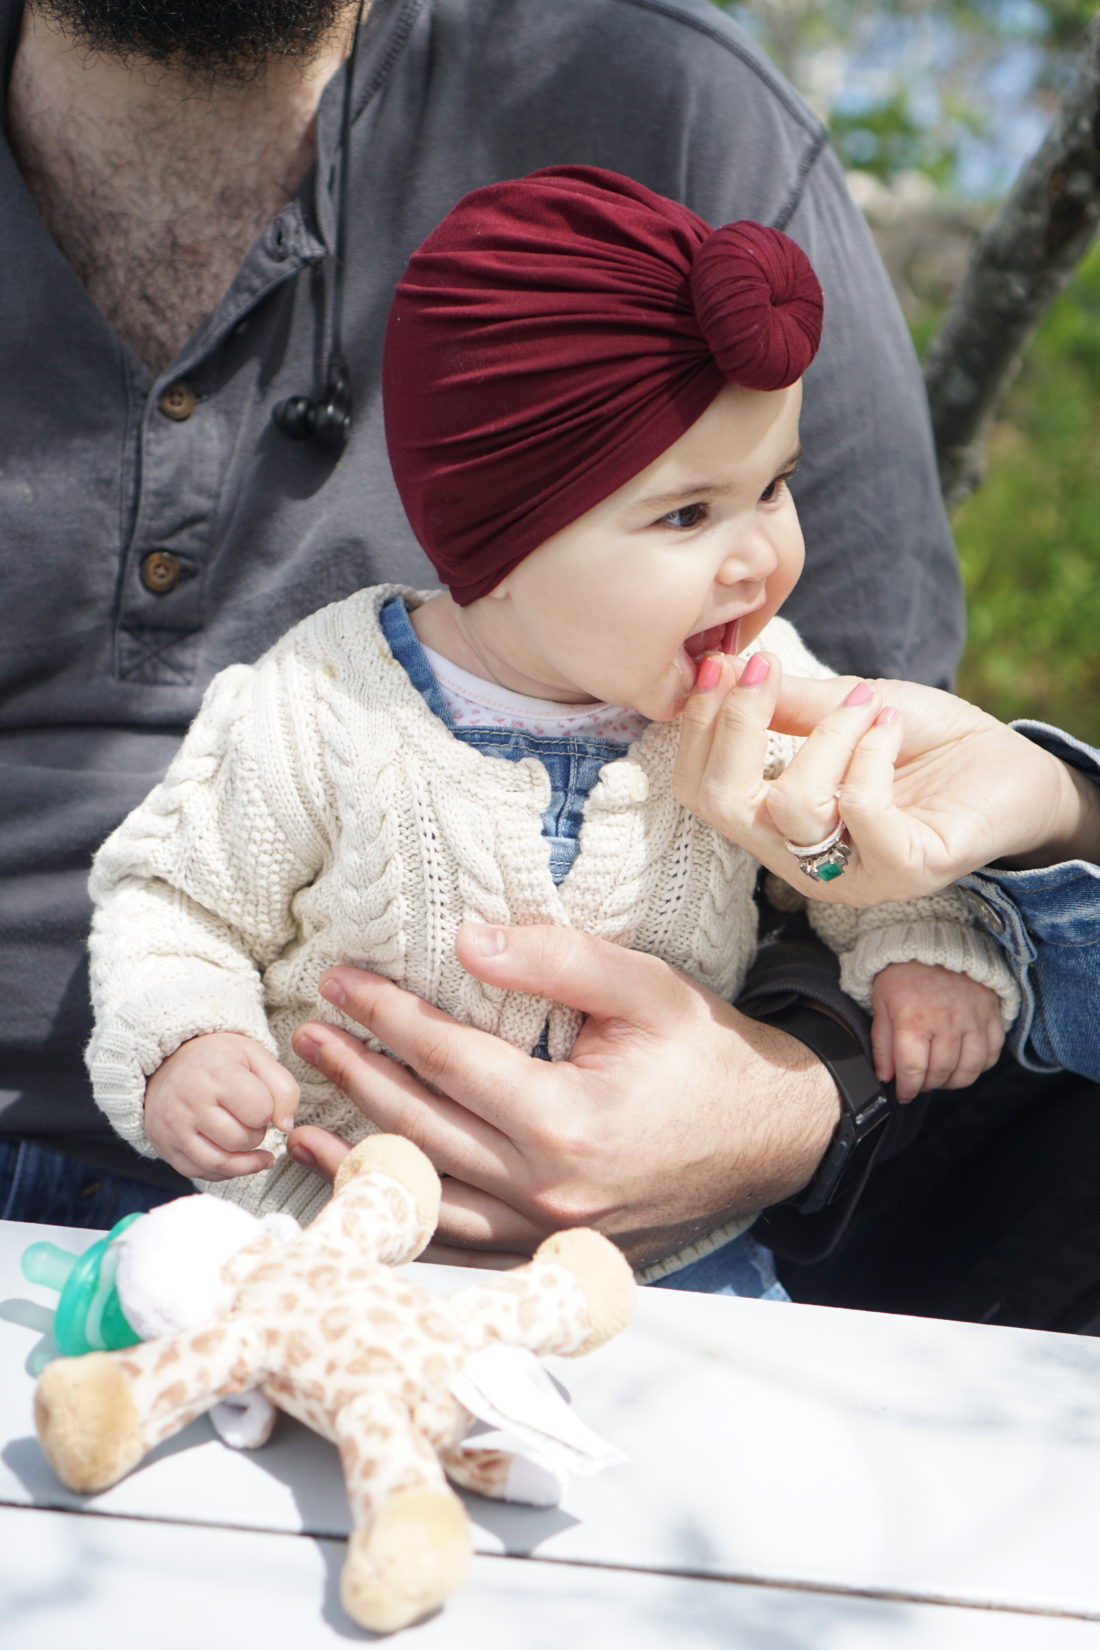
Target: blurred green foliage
{"x": 1029, "y": 538}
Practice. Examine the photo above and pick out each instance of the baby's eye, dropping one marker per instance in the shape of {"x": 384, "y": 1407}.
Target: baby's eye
{"x": 773, "y": 492}
{"x": 688, "y": 515}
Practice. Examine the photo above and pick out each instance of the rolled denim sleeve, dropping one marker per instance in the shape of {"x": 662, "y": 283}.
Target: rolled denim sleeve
{"x": 1047, "y": 922}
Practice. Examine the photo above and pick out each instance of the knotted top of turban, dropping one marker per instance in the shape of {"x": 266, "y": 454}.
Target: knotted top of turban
{"x": 556, "y": 334}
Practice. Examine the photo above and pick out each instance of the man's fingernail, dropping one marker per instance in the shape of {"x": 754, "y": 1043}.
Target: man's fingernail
{"x": 488, "y": 942}
{"x": 755, "y": 672}
{"x": 860, "y": 694}
{"x": 302, "y": 1156}
{"x": 307, "y": 1049}
{"x": 888, "y": 714}
{"x": 333, "y": 992}
{"x": 708, "y": 674}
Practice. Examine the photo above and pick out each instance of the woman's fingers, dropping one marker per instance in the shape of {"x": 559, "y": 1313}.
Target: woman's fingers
{"x": 802, "y": 802}
{"x": 723, "y": 747}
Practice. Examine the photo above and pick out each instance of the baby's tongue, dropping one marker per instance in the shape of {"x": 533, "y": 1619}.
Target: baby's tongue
{"x": 712, "y": 640}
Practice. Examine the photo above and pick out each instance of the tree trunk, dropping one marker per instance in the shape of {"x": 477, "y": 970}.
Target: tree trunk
{"x": 1019, "y": 264}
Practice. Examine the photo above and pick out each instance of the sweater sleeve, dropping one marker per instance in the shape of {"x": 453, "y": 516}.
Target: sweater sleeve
{"x": 939, "y": 929}
{"x": 193, "y": 892}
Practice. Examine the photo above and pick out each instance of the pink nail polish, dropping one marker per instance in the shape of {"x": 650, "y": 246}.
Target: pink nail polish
{"x": 306, "y": 1049}
{"x": 302, "y": 1156}
{"x": 860, "y": 694}
{"x": 708, "y": 674}
{"x": 755, "y": 672}
{"x": 885, "y": 716}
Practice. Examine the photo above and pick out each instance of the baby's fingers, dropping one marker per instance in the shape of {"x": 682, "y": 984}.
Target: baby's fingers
{"x": 280, "y": 1093}
{"x": 912, "y": 1053}
{"x": 212, "y": 1163}
{"x": 979, "y": 1050}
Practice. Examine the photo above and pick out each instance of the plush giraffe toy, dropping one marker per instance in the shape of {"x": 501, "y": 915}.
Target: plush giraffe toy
{"x": 364, "y": 1356}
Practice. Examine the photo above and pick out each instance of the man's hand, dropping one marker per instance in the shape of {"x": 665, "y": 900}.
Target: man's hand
{"x": 673, "y": 1114}
{"x": 209, "y": 1105}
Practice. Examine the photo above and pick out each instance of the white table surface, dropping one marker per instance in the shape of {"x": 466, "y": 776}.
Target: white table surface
{"x": 799, "y": 1479}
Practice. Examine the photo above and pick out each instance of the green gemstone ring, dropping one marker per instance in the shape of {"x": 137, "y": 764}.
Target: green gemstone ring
{"x": 823, "y": 861}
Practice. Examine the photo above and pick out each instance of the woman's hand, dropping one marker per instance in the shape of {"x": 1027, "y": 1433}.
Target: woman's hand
{"x": 929, "y": 786}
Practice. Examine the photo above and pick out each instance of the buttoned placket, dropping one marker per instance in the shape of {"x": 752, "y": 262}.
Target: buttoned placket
{"x": 187, "y": 429}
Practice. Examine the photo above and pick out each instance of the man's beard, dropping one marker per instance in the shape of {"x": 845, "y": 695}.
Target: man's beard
{"x": 216, "y": 39}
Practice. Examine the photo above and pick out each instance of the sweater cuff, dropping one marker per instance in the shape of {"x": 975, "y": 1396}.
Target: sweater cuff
{"x": 128, "y": 1045}
{"x": 695, "y": 1251}
{"x": 951, "y": 945}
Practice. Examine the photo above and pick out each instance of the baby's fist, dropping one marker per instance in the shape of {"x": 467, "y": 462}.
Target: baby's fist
{"x": 932, "y": 1028}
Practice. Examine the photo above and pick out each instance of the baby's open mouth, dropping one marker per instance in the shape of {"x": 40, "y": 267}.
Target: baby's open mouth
{"x": 719, "y": 638}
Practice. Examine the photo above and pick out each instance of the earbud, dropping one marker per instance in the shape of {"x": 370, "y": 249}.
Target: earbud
{"x": 327, "y": 421}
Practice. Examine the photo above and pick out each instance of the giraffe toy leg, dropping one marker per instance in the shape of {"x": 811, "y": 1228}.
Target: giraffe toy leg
{"x": 410, "y": 1543}
{"x": 577, "y": 1293}
{"x": 503, "y": 1476}
{"x": 98, "y": 1415}
{"x": 386, "y": 1202}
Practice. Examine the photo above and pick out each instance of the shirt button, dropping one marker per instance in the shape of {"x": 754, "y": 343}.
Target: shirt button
{"x": 160, "y": 572}
{"x": 986, "y": 914}
{"x": 178, "y": 401}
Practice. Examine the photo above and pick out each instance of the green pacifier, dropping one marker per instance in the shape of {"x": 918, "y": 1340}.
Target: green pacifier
{"x": 89, "y": 1317}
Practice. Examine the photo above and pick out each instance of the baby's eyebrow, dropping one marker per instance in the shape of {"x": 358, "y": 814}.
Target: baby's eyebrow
{"x": 698, "y": 489}
{"x": 708, "y": 489}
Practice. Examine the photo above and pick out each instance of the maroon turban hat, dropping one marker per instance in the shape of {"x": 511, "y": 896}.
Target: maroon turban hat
{"x": 553, "y": 337}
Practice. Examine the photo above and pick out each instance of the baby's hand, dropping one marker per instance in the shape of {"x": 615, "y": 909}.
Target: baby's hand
{"x": 209, "y": 1105}
{"x": 932, "y": 1028}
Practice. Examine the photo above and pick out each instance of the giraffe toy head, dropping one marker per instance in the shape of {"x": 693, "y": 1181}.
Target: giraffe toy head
{"x": 323, "y": 1328}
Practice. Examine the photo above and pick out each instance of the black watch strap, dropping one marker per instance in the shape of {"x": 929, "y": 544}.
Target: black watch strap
{"x": 867, "y": 1107}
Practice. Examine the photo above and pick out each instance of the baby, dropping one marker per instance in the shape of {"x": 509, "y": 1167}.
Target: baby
{"x": 592, "y": 405}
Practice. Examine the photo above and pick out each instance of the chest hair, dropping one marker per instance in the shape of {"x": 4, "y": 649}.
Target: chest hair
{"x": 154, "y": 213}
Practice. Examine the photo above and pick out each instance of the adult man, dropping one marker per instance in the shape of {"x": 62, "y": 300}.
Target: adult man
{"x": 175, "y": 190}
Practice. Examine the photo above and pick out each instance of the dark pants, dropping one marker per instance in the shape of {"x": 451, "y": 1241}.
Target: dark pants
{"x": 992, "y": 1214}
{"x": 38, "y": 1184}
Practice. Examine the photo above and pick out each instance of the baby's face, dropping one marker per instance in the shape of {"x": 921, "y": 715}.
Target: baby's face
{"x": 693, "y": 555}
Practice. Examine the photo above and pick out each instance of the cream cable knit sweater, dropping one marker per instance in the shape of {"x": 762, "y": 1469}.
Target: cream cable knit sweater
{"x": 318, "y": 812}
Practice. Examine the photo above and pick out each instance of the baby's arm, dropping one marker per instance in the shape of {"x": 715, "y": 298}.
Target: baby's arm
{"x": 932, "y": 1028}
{"x": 210, "y": 1104}
{"x": 193, "y": 899}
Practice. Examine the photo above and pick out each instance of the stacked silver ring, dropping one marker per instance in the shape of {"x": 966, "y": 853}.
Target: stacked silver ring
{"x": 823, "y": 861}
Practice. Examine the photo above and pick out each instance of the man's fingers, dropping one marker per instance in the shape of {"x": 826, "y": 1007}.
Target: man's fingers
{"x": 457, "y": 1137}
{"x": 471, "y": 1219}
{"x": 318, "y": 1150}
{"x": 603, "y": 980}
{"x": 487, "y": 1260}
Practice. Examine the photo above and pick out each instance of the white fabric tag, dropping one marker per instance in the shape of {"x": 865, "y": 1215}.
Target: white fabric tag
{"x": 508, "y": 1388}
